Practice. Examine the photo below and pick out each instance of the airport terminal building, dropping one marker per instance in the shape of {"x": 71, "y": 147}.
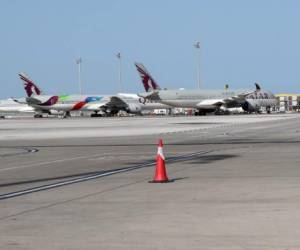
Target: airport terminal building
{"x": 288, "y": 102}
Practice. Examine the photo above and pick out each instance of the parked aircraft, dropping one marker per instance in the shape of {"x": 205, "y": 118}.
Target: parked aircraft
{"x": 53, "y": 104}
{"x": 204, "y": 100}
{"x": 99, "y": 104}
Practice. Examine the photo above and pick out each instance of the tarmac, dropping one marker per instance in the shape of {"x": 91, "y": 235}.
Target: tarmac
{"x": 83, "y": 183}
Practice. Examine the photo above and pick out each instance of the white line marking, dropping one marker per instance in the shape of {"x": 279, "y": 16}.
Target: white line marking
{"x": 49, "y": 162}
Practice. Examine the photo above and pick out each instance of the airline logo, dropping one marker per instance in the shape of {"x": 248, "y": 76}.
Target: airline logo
{"x": 259, "y": 95}
{"x": 29, "y": 86}
{"x": 148, "y": 81}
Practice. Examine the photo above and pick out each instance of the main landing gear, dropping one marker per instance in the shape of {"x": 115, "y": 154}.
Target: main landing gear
{"x": 200, "y": 113}
{"x": 96, "y": 115}
{"x": 38, "y": 116}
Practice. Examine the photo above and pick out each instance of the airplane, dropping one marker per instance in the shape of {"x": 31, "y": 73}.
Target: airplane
{"x": 100, "y": 104}
{"x": 203, "y": 100}
{"x": 60, "y": 105}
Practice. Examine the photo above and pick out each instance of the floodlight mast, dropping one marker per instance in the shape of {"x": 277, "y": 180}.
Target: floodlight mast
{"x": 197, "y": 47}
{"x": 78, "y": 62}
{"x": 120, "y": 70}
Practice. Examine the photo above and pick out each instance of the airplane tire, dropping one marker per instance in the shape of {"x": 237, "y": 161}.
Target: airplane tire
{"x": 96, "y": 115}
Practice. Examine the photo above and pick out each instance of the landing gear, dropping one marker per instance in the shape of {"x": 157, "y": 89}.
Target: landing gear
{"x": 200, "y": 113}
{"x": 38, "y": 116}
{"x": 96, "y": 115}
{"x": 64, "y": 115}
{"x": 222, "y": 112}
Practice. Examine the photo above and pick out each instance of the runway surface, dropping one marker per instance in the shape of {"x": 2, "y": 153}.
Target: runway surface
{"x": 83, "y": 183}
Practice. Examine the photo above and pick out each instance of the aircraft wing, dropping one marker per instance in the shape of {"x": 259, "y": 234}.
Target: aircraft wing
{"x": 94, "y": 106}
{"x": 210, "y": 103}
{"x": 236, "y": 99}
{"x": 230, "y": 101}
{"x": 33, "y": 101}
{"x": 20, "y": 101}
{"x": 116, "y": 102}
{"x": 113, "y": 103}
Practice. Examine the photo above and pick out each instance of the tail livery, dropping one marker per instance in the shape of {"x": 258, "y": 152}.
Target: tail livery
{"x": 29, "y": 86}
{"x": 148, "y": 81}
{"x": 257, "y": 86}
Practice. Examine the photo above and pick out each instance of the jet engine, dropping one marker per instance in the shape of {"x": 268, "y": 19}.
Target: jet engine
{"x": 133, "y": 108}
{"x": 248, "y": 107}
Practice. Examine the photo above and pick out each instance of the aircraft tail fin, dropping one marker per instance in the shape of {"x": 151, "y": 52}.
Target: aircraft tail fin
{"x": 257, "y": 86}
{"x": 148, "y": 81}
{"x": 30, "y": 87}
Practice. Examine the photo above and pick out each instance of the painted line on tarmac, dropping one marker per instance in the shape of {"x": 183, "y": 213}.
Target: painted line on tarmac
{"x": 49, "y": 162}
{"x": 24, "y": 152}
{"x": 43, "y": 163}
{"x": 100, "y": 175}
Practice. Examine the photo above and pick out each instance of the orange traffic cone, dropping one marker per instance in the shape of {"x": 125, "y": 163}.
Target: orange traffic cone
{"x": 160, "y": 171}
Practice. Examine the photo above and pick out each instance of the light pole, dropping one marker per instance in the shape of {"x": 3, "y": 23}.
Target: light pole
{"x": 197, "y": 46}
{"x": 120, "y": 70}
{"x": 78, "y": 62}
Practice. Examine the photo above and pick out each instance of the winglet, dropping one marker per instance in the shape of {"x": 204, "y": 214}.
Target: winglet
{"x": 148, "y": 81}
{"x": 257, "y": 86}
{"x": 29, "y": 86}
{"x": 18, "y": 101}
{"x": 15, "y": 99}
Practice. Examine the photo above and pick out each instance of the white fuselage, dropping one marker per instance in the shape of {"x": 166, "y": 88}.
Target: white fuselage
{"x": 210, "y": 99}
{"x": 144, "y": 104}
{"x": 204, "y": 99}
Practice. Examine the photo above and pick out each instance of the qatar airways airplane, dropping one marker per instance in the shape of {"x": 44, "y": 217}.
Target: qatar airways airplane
{"x": 99, "y": 104}
{"x": 205, "y": 100}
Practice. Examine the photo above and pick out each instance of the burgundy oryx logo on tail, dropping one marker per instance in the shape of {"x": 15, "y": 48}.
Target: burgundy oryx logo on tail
{"x": 148, "y": 81}
{"x": 29, "y": 86}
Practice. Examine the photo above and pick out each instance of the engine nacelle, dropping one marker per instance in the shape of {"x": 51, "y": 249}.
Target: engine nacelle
{"x": 108, "y": 110}
{"x": 248, "y": 107}
{"x": 133, "y": 108}
{"x": 54, "y": 112}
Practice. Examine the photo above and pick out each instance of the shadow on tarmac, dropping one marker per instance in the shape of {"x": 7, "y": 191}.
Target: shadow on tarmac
{"x": 197, "y": 159}
{"x": 206, "y": 159}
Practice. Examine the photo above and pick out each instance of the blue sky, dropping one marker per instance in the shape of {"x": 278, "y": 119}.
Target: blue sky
{"x": 241, "y": 42}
